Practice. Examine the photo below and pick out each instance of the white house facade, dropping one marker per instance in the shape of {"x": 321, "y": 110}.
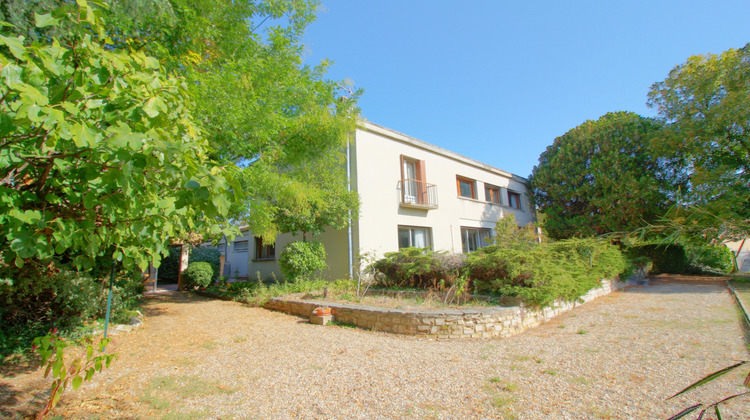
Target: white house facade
{"x": 412, "y": 193}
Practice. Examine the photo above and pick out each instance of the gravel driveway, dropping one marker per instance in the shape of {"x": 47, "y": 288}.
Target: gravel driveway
{"x": 620, "y": 356}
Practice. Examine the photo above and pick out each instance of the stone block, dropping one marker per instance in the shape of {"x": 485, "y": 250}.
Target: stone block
{"x": 320, "y": 320}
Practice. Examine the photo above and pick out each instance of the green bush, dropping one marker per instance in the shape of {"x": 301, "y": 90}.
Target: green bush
{"x": 561, "y": 270}
{"x": 210, "y": 255}
{"x": 711, "y": 257}
{"x": 198, "y": 275}
{"x": 418, "y": 268}
{"x": 37, "y": 298}
{"x": 302, "y": 260}
{"x": 671, "y": 259}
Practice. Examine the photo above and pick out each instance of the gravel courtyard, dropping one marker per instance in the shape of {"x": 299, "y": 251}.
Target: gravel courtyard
{"x": 618, "y": 357}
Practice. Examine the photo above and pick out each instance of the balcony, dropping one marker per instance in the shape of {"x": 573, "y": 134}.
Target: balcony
{"x": 417, "y": 194}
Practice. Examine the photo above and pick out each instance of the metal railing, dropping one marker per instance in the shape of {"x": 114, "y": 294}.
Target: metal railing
{"x": 416, "y": 193}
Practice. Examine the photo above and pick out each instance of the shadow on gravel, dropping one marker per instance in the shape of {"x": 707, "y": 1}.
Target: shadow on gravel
{"x": 150, "y": 306}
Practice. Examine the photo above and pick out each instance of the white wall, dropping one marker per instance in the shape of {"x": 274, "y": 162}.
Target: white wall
{"x": 378, "y": 171}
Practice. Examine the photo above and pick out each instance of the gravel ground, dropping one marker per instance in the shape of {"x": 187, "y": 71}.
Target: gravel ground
{"x": 618, "y": 357}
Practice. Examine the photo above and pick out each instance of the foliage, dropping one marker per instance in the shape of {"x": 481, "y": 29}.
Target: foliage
{"x": 417, "y": 267}
{"x": 257, "y": 294}
{"x": 705, "y": 103}
{"x": 710, "y": 257}
{"x": 302, "y": 259}
{"x": 210, "y": 255}
{"x": 198, "y": 275}
{"x": 39, "y": 297}
{"x": 717, "y": 404}
{"x": 99, "y": 154}
{"x": 670, "y": 259}
{"x": 509, "y": 235}
{"x": 51, "y": 349}
{"x": 169, "y": 269}
{"x": 560, "y": 270}
{"x": 284, "y": 122}
{"x": 602, "y": 176}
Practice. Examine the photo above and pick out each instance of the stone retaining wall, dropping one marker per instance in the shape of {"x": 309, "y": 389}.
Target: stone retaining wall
{"x": 442, "y": 323}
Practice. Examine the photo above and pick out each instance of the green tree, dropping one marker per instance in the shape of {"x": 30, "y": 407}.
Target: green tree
{"x": 99, "y": 155}
{"x": 601, "y": 177}
{"x": 260, "y": 107}
{"x": 705, "y": 103}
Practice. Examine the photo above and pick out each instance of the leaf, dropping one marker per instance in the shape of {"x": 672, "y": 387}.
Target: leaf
{"x": 45, "y": 20}
{"x": 14, "y": 44}
{"x": 192, "y": 184}
{"x": 709, "y": 378}
{"x": 77, "y": 380}
{"x": 685, "y": 412}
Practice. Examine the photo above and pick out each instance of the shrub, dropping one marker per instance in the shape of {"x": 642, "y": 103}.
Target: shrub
{"x": 210, "y": 255}
{"x": 302, "y": 259}
{"x": 540, "y": 275}
{"x": 198, "y": 275}
{"x": 419, "y": 268}
{"x": 710, "y": 257}
{"x": 670, "y": 259}
{"x": 37, "y": 298}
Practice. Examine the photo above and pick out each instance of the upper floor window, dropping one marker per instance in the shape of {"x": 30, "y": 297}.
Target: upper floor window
{"x": 466, "y": 187}
{"x": 262, "y": 251}
{"x": 240, "y": 246}
{"x": 475, "y": 238}
{"x": 413, "y": 236}
{"x": 492, "y": 194}
{"x": 514, "y": 200}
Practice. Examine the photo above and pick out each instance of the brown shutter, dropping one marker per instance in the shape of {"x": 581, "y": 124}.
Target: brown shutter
{"x": 421, "y": 186}
{"x": 403, "y": 183}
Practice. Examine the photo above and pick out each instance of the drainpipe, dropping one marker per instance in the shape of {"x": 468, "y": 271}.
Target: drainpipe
{"x": 349, "y": 229}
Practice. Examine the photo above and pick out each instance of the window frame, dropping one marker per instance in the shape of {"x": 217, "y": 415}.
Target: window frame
{"x": 466, "y": 230}
{"x": 472, "y": 183}
{"x": 410, "y": 230}
{"x": 494, "y": 191}
{"x": 264, "y": 252}
{"x": 517, "y": 197}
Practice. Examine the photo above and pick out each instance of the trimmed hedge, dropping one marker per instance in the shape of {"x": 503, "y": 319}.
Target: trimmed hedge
{"x": 198, "y": 274}
{"x": 210, "y": 255}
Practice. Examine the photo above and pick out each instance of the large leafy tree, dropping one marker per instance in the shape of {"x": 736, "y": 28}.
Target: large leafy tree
{"x": 260, "y": 107}
{"x": 99, "y": 154}
{"x": 705, "y": 103}
{"x": 602, "y": 177}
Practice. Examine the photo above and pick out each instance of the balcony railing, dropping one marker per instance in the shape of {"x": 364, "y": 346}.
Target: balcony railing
{"x": 417, "y": 194}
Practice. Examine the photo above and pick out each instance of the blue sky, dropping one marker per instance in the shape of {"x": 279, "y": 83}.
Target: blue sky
{"x": 498, "y": 81}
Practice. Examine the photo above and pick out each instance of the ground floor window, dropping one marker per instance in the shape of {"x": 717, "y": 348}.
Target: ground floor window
{"x": 475, "y": 238}
{"x": 240, "y": 246}
{"x": 413, "y": 236}
{"x": 262, "y": 251}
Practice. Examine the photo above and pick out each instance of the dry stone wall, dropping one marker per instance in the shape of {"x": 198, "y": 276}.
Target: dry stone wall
{"x": 443, "y": 323}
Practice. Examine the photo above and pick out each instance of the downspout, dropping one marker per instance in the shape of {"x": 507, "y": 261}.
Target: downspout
{"x": 349, "y": 228}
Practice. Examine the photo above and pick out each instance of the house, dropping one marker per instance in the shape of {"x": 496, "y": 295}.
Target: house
{"x": 412, "y": 193}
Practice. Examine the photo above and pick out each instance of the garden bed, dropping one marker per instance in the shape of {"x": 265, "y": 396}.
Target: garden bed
{"x": 442, "y": 323}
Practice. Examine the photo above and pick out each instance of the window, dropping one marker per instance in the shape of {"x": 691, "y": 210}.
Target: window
{"x": 514, "y": 200}
{"x": 264, "y": 252}
{"x": 491, "y": 194}
{"x": 417, "y": 237}
{"x": 475, "y": 238}
{"x": 240, "y": 246}
{"x": 465, "y": 187}
{"x": 413, "y": 179}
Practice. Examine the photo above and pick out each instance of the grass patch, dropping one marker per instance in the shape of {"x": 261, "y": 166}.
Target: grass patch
{"x": 550, "y": 372}
{"x": 501, "y": 401}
